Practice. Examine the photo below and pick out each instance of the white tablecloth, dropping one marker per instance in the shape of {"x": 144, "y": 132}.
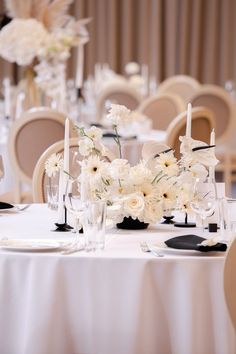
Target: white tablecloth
{"x": 119, "y": 301}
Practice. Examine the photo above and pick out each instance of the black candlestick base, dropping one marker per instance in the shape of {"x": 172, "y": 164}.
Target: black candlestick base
{"x": 63, "y": 227}
{"x": 183, "y": 224}
{"x": 168, "y": 220}
{"x": 80, "y": 93}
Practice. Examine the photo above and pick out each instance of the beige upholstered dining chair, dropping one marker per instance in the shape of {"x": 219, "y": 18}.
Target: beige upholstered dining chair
{"x": 162, "y": 109}
{"x": 29, "y": 136}
{"x": 40, "y": 179}
{"x": 219, "y": 102}
{"x": 230, "y": 282}
{"x": 202, "y": 125}
{"x": 182, "y": 85}
{"x": 119, "y": 93}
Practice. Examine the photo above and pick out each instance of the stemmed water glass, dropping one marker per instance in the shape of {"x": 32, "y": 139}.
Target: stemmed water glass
{"x": 74, "y": 205}
{"x": 204, "y": 199}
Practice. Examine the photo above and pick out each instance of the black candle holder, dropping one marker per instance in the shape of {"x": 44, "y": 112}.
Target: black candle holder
{"x": 168, "y": 220}
{"x": 185, "y": 223}
{"x": 63, "y": 227}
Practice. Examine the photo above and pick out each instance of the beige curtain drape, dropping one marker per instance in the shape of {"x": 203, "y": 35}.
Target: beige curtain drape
{"x": 193, "y": 37}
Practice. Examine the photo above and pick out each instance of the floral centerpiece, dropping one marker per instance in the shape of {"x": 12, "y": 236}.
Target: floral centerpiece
{"x": 40, "y": 37}
{"x": 149, "y": 189}
{"x": 145, "y": 192}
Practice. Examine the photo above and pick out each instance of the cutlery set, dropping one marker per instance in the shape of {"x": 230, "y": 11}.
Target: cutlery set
{"x": 145, "y": 248}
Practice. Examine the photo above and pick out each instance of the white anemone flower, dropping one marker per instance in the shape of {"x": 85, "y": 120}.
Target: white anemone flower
{"x": 195, "y": 151}
{"x": 53, "y": 165}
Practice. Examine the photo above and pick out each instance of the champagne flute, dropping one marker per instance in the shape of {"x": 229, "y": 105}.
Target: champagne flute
{"x": 204, "y": 199}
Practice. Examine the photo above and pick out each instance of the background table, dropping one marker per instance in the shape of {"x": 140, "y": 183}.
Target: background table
{"x": 119, "y": 301}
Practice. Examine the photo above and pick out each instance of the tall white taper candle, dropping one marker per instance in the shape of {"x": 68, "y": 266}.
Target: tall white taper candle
{"x": 80, "y": 66}
{"x": 212, "y": 168}
{"x": 63, "y": 176}
{"x": 189, "y": 120}
{"x": 7, "y": 97}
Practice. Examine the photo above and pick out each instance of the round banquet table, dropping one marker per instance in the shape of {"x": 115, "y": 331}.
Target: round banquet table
{"x": 119, "y": 300}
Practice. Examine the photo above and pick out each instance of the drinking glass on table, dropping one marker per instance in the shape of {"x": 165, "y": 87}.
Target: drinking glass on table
{"x": 204, "y": 199}
{"x": 94, "y": 224}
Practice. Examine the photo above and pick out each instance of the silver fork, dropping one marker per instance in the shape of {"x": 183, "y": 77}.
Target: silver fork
{"x": 23, "y": 207}
{"x": 145, "y": 248}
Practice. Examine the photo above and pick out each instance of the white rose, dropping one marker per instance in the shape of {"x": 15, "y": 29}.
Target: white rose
{"x": 94, "y": 133}
{"x": 118, "y": 113}
{"x": 153, "y": 212}
{"x": 120, "y": 168}
{"x": 134, "y": 205}
{"x": 85, "y": 146}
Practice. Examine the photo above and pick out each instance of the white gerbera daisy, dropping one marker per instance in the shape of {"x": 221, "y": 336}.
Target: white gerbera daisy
{"x": 167, "y": 163}
{"x": 53, "y": 165}
{"x": 94, "y": 167}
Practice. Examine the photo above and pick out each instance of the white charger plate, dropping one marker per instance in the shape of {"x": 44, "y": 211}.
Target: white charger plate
{"x": 30, "y": 245}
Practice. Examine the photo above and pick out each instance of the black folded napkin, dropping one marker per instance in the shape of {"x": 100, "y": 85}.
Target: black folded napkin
{"x": 4, "y": 205}
{"x": 110, "y": 135}
{"x": 192, "y": 242}
{"x": 98, "y": 125}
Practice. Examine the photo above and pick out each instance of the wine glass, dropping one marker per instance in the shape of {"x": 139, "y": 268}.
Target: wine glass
{"x": 204, "y": 199}
{"x": 74, "y": 205}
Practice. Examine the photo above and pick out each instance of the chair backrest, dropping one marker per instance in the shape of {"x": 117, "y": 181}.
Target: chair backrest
{"x": 162, "y": 109}
{"x": 230, "y": 282}
{"x": 183, "y": 85}
{"x": 119, "y": 93}
{"x": 202, "y": 125}
{"x": 219, "y": 102}
{"x": 40, "y": 179}
{"x": 30, "y": 135}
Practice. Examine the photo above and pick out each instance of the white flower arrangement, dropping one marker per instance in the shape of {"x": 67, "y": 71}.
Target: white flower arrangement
{"x": 148, "y": 190}
{"x": 158, "y": 184}
{"x": 41, "y": 35}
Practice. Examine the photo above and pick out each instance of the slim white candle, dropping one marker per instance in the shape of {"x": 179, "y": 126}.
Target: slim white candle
{"x": 66, "y": 152}
{"x": 144, "y": 74}
{"x": 7, "y": 97}
{"x": 189, "y": 120}
{"x": 82, "y": 183}
{"x": 212, "y": 168}
{"x": 19, "y": 104}
{"x": 80, "y": 66}
{"x": 63, "y": 176}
